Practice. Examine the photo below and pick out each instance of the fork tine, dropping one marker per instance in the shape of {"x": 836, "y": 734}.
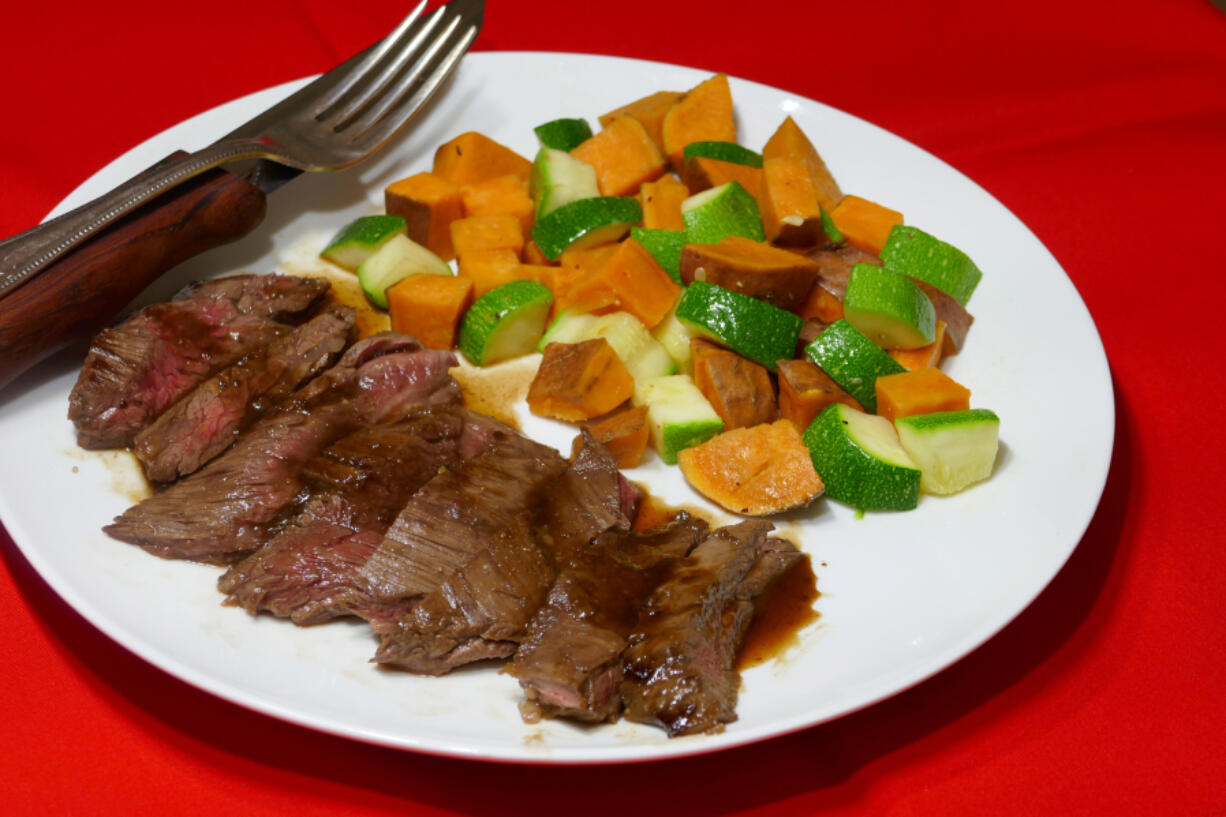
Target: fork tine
{"x": 382, "y": 117}
{"x": 373, "y": 82}
{"x": 370, "y": 58}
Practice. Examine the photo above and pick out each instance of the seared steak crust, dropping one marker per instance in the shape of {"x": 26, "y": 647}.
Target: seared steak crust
{"x": 464, "y": 548}
{"x": 679, "y": 665}
{"x": 570, "y": 663}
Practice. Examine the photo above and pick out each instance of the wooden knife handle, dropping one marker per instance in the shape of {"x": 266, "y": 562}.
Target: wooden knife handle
{"x": 84, "y": 290}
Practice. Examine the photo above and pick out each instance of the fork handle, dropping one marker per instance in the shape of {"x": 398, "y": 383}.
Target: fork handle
{"x": 81, "y": 291}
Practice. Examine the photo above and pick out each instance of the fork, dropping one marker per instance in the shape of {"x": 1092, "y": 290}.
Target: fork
{"x": 333, "y": 123}
{"x": 71, "y": 275}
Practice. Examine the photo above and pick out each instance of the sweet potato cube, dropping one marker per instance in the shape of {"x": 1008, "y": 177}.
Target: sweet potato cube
{"x": 576, "y": 283}
{"x": 624, "y": 156}
{"x": 703, "y": 173}
{"x": 751, "y": 268}
{"x": 473, "y": 157}
{"x": 756, "y": 471}
{"x": 491, "y": 268}
{"x": 805, "y": 390}
{"x": 428, "y": 203}
{"x": 790, "y": 140}
{"x": 739, "y": 389}
{"x": 642, "y": 286}
{"x": 579, "y": 381}
{"x": 650, "y": 110}
{"x": 922, "y": 391}
{"x": 702, "y": 115}
{"x": 532, "y": 254}
{"x": 501, "y": 194}
{"x": 925, "y": 356}
{"x": 497, "y": 231}
{"x": 591, "y": 293}
{"x": 865, "y": 224}
{"x": 588, "y": 260}
{"x": 791, "y": 215}
{"x": 623, "y": 433}
{"x": 429, "y": 307}
{"x": 821, "y": 304}
{"x": 661, "y": 202}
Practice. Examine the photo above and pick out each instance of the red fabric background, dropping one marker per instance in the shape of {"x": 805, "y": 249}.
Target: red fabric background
{"x": 1101, "y": 124}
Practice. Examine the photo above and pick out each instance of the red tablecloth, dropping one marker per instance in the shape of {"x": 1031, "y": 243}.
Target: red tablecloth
{"x": 1101, "y": 124}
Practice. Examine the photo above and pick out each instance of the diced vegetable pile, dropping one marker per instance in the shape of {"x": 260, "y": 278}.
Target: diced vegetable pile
{"x": 667, "y": 274}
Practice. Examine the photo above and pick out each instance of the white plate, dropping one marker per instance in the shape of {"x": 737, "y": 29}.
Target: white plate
{"x": 903, "y": 595}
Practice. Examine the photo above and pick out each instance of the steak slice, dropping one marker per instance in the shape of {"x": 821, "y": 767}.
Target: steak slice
{"x": 582, "y": 503}
{"x": 222, "y": 511}
{"x": 311, "y": 571}
{"x": 205, "y": 422}
{"x": 278, "y": 297}
{"x": 463, "y": 549}
{"x": 570, "y": 664}
{"x": 135, "y": 371}
{"x": 679, "y": 665}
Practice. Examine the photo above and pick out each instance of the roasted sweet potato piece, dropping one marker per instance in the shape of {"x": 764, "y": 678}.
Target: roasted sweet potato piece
{"x": 642, "y": 286}
{"x": 865, "y": 224}
{"x": 473, "y": 157}
{"x": 501, "y": 194}
{"x": 752, "y": 268}
{"x": 922, "y": 391}
{"x": 834, "y": 266}
{"x": 755, "y": 471}
{"x": 702, "y": 115}
{"x": 661, "y": 201}
{"x": 624, "y": 156}
{"x": 490, "y": 269}
{"x": 925, "y": 356}
{"x": 497, "y": 231}
{"x": 650, "y": 110}
{"x": 429, "y": 307}
{"x": 790, "y": 140}
{"x": 428, "y": 203}
{"x": 703, "y": 173}
{"x": 740, "y": 390}
{"x": 821, "y": 304}
{"x": 791, "y": 214}
{"x": 953, "y": 314}
{"x": 579, "y": 381}
{"x": 805, "y": 390}
{"x": 623, "y": 433}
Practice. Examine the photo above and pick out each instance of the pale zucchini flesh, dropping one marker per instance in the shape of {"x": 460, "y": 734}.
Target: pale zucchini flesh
{"x": 953, "y": 449}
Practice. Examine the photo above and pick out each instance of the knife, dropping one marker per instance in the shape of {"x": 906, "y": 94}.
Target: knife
{"x": 82, "y": 290}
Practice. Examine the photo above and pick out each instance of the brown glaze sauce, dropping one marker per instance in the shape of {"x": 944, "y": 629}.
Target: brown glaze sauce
{"x": 779, "y": 616}
{"x": 346, "y": 292}
{"x": 782, "y": 611}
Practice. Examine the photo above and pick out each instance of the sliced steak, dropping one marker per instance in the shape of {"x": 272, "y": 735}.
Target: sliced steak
{"x": 311, "y": 570}
{"x": 570, "y": 663}
{"x": 222, "y": 511}
{"x": 679, "y": 665}
{"x": 463, "y": 548}
{"x": 582, "y": 503}
{"x": 135, "y": 371}
{"x": 205, "y": 422}
{"x": 279, "y": 297}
